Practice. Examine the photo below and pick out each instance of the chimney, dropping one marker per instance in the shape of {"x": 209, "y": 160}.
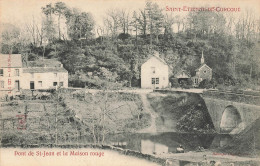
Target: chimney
{"x": 61, "y": 65}
{"x": 156, "y": 54}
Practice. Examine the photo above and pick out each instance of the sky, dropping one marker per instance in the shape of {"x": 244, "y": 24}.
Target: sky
{"x": 19, "y": 11}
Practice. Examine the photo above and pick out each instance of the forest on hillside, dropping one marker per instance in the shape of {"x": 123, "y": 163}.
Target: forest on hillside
{"x": 112, "y": 53}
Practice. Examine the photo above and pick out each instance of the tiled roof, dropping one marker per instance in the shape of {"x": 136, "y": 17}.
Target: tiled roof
{"x": 43, "y": 63}
{"x": 15, "y": 60}
{"x": 44, "y": 69}
{"x": 202, "y": 66}
{"x": 179, "y": 74}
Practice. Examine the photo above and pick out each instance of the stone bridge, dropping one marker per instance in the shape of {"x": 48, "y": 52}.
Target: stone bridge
{"x": 232, "y": 112}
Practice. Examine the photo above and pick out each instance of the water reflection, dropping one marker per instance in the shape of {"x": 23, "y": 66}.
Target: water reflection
{"x": 160, "y": 143}
{"x": 150, "y": 147}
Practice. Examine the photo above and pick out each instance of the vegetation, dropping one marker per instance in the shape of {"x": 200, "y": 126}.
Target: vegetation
{"x": 72, "y": 117}
{"x": 115, "y": 51}
{"x": 182, "y": 112}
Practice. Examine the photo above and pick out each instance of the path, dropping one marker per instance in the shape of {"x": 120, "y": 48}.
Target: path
{"x": 146, "y": 106}
{"x": 148, "y": 109}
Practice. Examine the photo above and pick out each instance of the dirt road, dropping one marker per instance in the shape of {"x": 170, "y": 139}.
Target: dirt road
{"x": 148, "y": 109}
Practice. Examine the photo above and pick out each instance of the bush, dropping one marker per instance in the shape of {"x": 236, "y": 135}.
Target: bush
{"x": 174, "y": 82}
{"x": 206, "y": 84}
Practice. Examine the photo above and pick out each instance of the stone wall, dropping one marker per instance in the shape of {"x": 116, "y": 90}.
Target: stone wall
{"x": 216, "y": 107}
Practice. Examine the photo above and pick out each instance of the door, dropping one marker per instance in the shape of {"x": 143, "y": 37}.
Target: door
{"x": 17, "y": 85}
{"x": 32, "y": 85}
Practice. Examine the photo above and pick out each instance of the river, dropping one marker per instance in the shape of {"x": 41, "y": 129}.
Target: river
{"x": 159, "y": 143}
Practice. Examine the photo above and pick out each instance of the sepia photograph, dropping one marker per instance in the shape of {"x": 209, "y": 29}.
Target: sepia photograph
{"x": 129, "y": 83}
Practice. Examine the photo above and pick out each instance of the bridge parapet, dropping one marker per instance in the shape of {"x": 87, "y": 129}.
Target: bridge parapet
{"x": 247, "y": 97}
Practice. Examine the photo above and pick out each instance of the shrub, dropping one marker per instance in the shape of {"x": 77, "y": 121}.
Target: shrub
{"x": 206, "y": 84}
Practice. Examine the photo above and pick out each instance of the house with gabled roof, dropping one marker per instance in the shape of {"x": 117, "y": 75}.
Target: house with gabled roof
{"x": 203, "y": 72}
{"x": 41, "y": 74}
{"x": 155, "y": 73}
{"x": 44, "y": 74}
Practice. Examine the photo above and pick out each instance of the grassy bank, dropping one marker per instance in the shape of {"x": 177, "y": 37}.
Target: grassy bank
{"x": 71, "y": 118}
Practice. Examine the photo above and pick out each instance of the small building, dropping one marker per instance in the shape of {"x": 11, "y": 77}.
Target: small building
{"x": 154, "y": 73}
{"x": 44, "y": 74}
{"x": 182, "y": 75}
{"x": 203, "y": 72}
{"x": 10, "y": 73}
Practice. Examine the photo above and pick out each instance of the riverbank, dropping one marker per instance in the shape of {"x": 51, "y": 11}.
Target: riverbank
{"x": 224, "y": 158}
{"x": 109, "y": 155}
{"x": 63, "y": 157}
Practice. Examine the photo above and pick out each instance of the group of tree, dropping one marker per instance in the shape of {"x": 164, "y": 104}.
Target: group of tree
{"x": 115, "y": 50}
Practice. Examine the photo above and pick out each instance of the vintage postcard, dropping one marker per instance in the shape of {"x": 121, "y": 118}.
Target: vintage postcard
{"x": 129, "y": 83}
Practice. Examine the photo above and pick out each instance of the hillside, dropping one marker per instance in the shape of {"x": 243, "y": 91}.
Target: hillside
{"x": 99, "y": 55}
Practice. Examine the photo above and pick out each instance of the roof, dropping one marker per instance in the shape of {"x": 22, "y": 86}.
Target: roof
{"x": 182, "y": 74}
{"x": 202, "y": 66}
{"x": 160, "y": 59}
{"x": 43, "y": 63}
{"x": 44, "y": 70}
{"x": 15, "y": 60}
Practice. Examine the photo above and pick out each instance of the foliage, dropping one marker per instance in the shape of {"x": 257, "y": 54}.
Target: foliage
{"x": 116, "y": 54}
{"x": 206, "y": 84}
{"x": 189, "y": 111}
{"x": 105, "y": 113}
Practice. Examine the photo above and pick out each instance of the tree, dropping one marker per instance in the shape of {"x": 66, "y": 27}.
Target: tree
{"x": 135, "y": 25}
{"x": 155, "y": 17}
{"x": 9, "y": 38}
{"x": 124, "y": 20}
{"x": 59, "y": 9}
{"x": 80, "y": 25}
{"x": 48, "y": 23}
{"x": 142, "y": 20}
{"x": 168, "y": 22}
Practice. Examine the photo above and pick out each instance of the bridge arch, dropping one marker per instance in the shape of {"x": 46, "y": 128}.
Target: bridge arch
{"x": 230, "y": 119}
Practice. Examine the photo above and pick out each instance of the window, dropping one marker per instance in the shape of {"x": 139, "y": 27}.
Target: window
{"x": 157, "y": 80}
{"x": 205, "y": 71}
{"x": 1, "y": 72}
{"x": 61, "y": 83}
{"x": 153, "y": 80}
{"x": 153, "y": 69}
{"x": 17, "y": 72}
{"x": 54, "y": 83}
{"x": 196, "y": 80}
{"x": 40, "y": 83}
{"x": 31, "y": 84}
{"x": 2, "y": 84}
{"x": 55, "y": 74}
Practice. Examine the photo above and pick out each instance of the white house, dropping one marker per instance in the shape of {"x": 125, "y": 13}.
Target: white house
{"x": 10, "y": 73}
{"x": 44, "y": 74}
{"x": 154, "y": 73}
{"x": 41, "y": 74}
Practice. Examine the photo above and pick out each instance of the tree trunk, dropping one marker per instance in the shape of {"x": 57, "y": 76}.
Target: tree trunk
{"x": 59, "y": 26}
